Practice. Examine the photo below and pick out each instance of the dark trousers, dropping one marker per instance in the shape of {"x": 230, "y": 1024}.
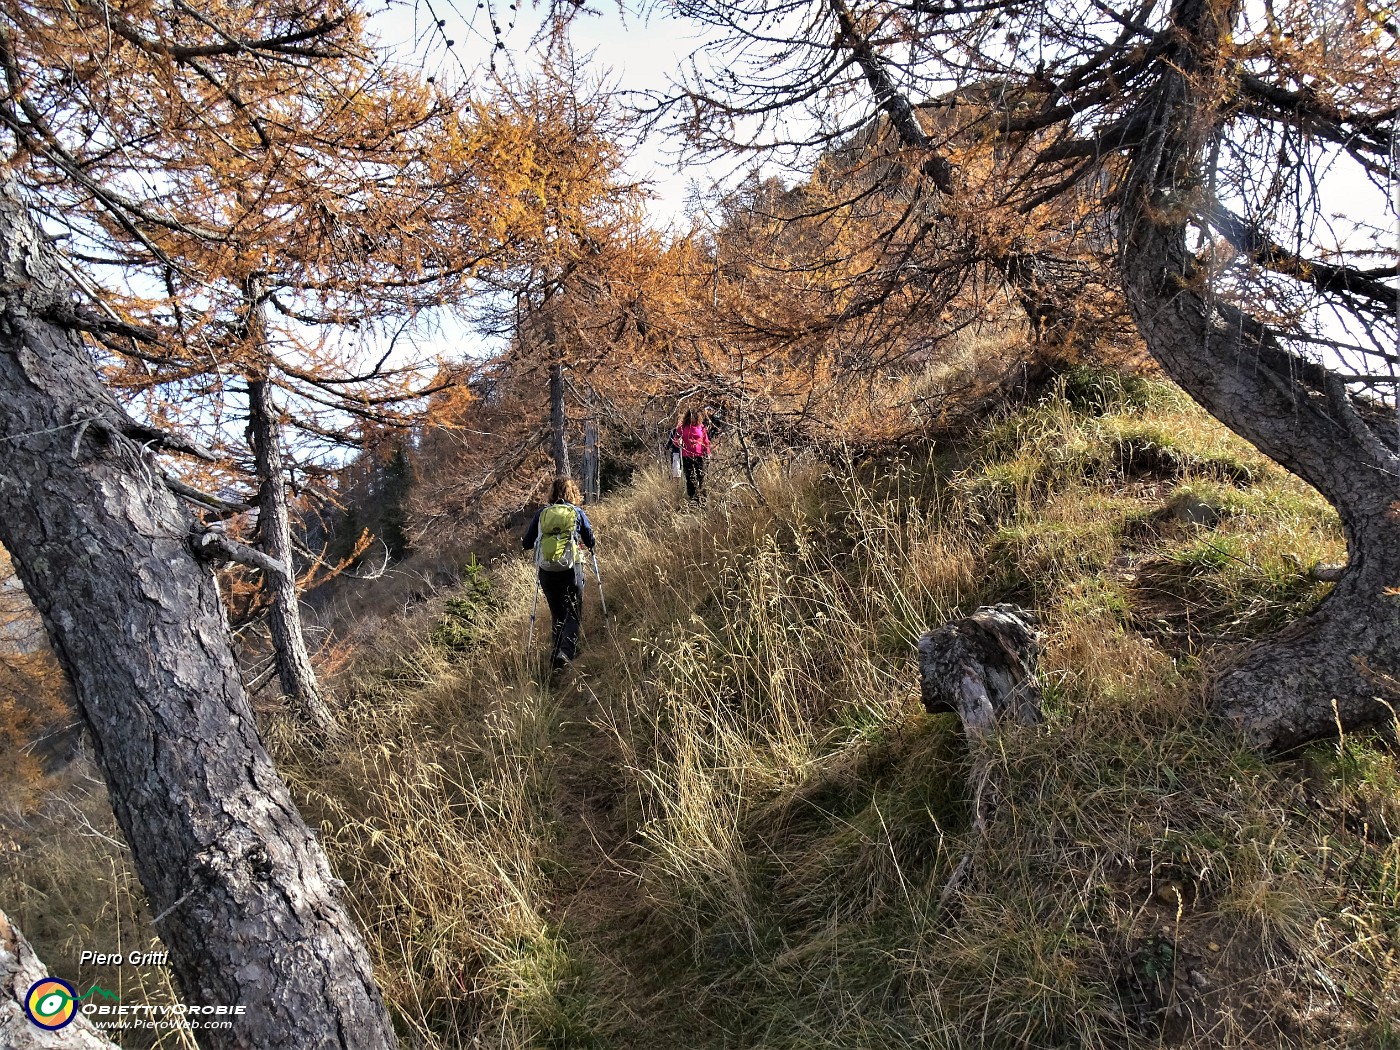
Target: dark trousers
{"x": 564, "y": 593}
{"x": 694, "y": 468}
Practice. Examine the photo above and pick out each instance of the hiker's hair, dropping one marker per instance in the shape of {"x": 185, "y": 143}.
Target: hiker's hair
{"x": 565, "y": 490}
{"x": 692, "y": 418}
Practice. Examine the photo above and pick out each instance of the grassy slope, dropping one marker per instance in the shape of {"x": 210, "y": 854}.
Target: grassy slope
{"x": 734, "y": 826}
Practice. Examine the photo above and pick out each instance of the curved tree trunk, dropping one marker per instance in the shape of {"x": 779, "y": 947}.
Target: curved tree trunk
{"x": 242, "y": 893}
{"x": 294, "y": 671}
{"x": 1282, "y": 691}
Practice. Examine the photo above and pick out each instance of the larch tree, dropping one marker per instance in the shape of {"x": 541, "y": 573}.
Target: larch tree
{"x": 558, "y": 295}
{"x": 314, "y": 188}
{"x": 285, "y": 213}
{"x": 587, "y": 216}
{"x": 1232, "y": 163}
{"x": 242, "y": 894}
{"x": 108, "y": 114}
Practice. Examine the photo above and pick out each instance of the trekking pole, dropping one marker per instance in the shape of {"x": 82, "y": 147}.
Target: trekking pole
{"x": 535, "y": 604}
{"x": 600, "y": 582}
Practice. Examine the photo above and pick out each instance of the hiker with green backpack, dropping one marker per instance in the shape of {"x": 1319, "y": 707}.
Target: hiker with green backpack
{"x": 558, "y": 534}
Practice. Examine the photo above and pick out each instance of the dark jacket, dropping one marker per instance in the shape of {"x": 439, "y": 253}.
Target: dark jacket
{"x": 585, "y": 529}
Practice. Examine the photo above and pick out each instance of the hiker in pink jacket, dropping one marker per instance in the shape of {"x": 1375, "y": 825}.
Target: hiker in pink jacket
{"x": 695, "y": 449}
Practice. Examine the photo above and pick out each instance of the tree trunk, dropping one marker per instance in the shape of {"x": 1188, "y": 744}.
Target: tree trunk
{"x": 242, "y": 894}
{"x": 982, "y": 667}
{"x": 558, "y": 446}
{"x": 1324, "y": 669}
{"x": 20, "y": 969}
{"x": 294, "y": 671}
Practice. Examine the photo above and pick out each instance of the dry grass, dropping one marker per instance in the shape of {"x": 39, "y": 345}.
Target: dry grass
{"x": 734, "y": 827}
{"x": 67, "y": 880}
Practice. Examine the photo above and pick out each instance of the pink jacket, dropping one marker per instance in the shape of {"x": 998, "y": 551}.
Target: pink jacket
{"x": 695, "y": 441}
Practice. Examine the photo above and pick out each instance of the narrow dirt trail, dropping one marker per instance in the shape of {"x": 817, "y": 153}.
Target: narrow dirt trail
{"x": 599, "y": 899}
{"x": 590, "y": 804}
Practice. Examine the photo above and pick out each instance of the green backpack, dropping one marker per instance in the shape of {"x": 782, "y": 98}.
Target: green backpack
{"x": 556, "y": 548}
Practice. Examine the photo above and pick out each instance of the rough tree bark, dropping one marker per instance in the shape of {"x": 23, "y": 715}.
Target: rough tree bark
{"x": 20, "y": 969}
{"x": 558, "y": 444}
{"x": 1280, "y": 692}
{"x": 242, "y": 894}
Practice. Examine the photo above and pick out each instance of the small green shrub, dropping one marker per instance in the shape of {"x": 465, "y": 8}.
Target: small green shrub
{"x": 470, "y": 615}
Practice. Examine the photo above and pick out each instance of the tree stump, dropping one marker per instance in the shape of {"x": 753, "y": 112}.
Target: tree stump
{"x": 982, "y": 667}
{"x": 20, "y": 968}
